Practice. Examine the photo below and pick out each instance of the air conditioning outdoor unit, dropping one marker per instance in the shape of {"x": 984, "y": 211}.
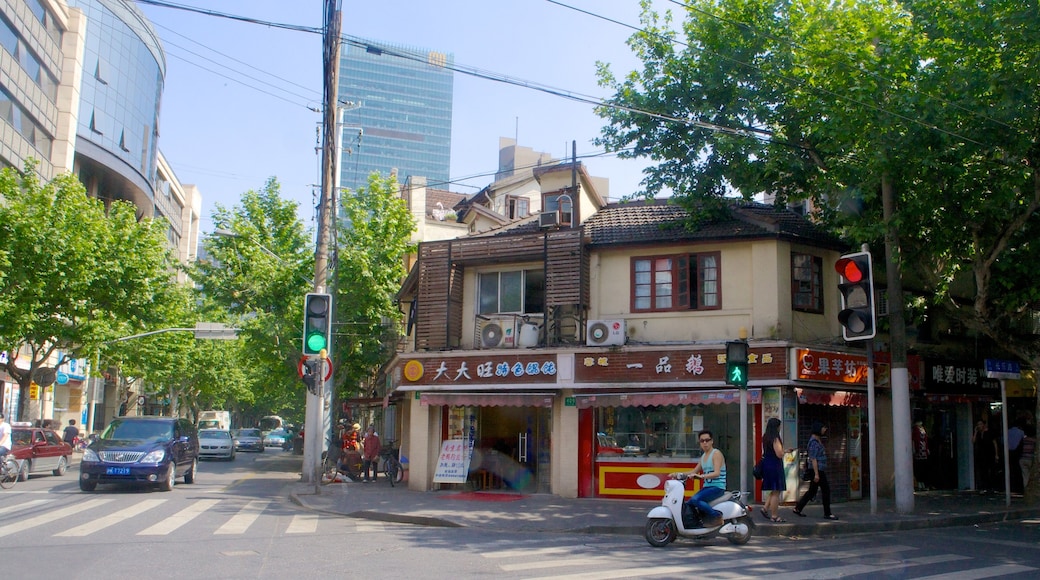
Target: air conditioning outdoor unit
{"x": 605, "y": 332}
{"x": 498, "y": 332}
{"x": 548, "y": 219}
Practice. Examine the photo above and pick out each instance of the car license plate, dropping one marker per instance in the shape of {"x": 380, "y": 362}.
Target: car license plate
{"x": 117, "y": 471}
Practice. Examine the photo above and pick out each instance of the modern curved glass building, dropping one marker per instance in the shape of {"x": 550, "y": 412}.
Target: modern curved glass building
{"x": 120, "y": 92}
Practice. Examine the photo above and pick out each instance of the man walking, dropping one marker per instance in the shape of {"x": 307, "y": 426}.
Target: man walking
{"x": 71, "y": 433}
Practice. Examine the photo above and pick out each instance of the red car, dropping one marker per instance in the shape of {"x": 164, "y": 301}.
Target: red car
{"x": 38, "y": 450}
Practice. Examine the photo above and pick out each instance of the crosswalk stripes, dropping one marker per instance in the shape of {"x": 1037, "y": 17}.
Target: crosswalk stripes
{"x": 172, "y": 523}
{"x": 841, "y": 560}
{"x": 241, "y": 521}
{"x": 23, "y": 506}
{"x": 303, "y": 524}
{"x": 111, "y": 519}
{"x": 122, "y": 514}
{"x": 29, "y": 523}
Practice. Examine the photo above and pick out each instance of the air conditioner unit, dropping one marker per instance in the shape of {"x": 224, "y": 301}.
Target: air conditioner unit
{"x": 605, "y": 332}
{"x": 498, "y": 332}
{"x": 548, "y": 219}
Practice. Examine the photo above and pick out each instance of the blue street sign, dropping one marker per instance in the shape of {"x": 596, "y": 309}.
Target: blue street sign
{"x": 1002, "y": 369}
{"x": 61, "y": 378}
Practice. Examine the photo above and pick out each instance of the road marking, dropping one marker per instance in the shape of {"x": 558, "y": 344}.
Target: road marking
{"x": 543, "y": 564}
{"x": 854, "y": 569}
{"x": 180, "y": 518}
{"x": 22, "y": 506}
{"x": 303, "y": 524}
{"x": 244, "y": 518}
{"x": 369, "y": 526}
{"x": 111, "y": 519}
{"x": 15, "y": 527}
{"x": 987, "y": 572}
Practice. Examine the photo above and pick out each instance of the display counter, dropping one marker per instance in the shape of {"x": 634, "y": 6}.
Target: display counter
{"x": 631, "y": 476}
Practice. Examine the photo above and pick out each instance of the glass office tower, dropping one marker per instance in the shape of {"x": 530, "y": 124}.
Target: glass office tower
{"x": 401, "y": 117}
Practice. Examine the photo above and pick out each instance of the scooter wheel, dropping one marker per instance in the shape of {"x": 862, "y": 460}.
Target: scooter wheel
{"x": 741, "y": 539}
{"x": 660, "y": 532}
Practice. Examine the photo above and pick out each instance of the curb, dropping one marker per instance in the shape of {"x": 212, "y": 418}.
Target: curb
{"x": 885, "y": 522}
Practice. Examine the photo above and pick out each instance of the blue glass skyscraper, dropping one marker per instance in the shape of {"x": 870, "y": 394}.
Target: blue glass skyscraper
{"x": 404, "y": 118}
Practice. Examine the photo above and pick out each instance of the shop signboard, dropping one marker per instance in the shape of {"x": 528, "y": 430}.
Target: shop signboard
{"x": 830, "y": 367}
{"x": 951, "y": 377}
{"x": 453, "y": 462}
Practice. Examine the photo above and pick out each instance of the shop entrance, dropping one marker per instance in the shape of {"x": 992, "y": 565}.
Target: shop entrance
{"x": 511, "y": 448}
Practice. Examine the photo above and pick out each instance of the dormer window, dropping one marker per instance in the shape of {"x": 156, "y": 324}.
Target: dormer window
{"x": 564, "y": 205}
{"x": 518, "y": 207}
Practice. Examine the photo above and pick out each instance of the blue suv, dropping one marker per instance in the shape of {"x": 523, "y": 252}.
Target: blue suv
{"x": 150, "y": 450}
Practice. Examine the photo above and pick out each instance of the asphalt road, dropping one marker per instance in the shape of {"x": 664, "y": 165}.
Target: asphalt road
{"x": 236, "y": 522}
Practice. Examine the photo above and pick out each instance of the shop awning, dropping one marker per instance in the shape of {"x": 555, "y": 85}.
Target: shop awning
{"x": 661, "y": 398}
{"x": 487, "y": 399}
{"x": 831, "y": 398}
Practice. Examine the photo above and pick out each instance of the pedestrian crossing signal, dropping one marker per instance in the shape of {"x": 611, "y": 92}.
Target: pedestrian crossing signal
{"x": 737, "y": 363}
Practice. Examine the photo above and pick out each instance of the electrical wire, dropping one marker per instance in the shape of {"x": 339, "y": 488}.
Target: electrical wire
{"x": 793, "y": 81}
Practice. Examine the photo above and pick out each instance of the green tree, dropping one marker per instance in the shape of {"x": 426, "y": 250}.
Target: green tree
{"x": 374, "y": 239}
{"x": 76, "y": 275}
{"x": 256, "y": 279}
{"x": 915, "y": 122}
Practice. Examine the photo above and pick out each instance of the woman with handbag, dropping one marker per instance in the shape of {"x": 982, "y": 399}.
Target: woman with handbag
{"x": 773, "y": 480}
{"x": 817, "y": 462}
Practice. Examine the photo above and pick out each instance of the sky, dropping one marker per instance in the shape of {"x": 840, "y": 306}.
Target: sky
{"x": 241, "y": 100}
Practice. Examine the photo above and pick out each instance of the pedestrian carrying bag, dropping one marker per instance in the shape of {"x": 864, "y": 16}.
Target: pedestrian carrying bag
{"x": 757, "y": 470}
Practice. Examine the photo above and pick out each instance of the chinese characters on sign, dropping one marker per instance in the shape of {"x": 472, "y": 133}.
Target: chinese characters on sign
{"x": 694, "y": 364}
{"x": 958, "y": 377}
{"x": 453, "y": 463}
{"x": 463, "y": 370}
{"x": 833, "y": 367}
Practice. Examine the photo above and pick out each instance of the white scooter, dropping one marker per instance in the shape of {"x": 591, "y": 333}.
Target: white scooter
{"x": 665, "y": 521}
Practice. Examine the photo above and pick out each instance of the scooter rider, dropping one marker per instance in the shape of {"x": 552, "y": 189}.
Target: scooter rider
{"x": 712, "y": 472}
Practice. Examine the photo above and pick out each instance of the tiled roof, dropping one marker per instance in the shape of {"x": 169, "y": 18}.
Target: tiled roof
{"x": 448, "y": 199}
{"x": 658, "y": 221}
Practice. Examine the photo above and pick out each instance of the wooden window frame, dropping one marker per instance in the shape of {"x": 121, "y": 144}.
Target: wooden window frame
{"x": 813, "y": 287}
{"x": 688, "y": 286}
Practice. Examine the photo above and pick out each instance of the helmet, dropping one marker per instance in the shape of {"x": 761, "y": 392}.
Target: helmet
{"x": 356, "y": 427}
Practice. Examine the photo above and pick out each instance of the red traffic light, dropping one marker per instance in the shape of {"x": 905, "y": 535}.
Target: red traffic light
{"x": 852, "y": 269}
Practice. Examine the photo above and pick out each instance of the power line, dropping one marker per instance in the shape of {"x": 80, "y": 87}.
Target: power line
{"x": 782, "y": 77}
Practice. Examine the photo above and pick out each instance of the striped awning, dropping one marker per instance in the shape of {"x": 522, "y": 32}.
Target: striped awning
{"x": 663, "y": 398}
{"x": 487, "y": 399}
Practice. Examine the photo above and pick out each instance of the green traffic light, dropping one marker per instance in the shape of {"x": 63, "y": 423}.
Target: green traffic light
{"x": 736, "y": 375}
{"x": 316, "y": 342}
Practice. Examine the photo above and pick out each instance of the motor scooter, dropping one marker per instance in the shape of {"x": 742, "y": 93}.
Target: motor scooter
{"x": 665, "y": 522}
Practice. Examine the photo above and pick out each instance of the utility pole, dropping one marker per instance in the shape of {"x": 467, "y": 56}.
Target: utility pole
{"x": 314, "y": 421}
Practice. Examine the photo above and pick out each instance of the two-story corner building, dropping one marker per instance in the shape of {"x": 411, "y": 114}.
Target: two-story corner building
{"x": 582, "y": 361}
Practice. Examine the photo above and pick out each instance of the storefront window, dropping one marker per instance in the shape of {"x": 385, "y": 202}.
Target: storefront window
{"x": 665, "y": 430}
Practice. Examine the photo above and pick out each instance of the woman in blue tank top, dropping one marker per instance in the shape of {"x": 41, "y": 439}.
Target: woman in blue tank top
{"x": 712, "y": 472}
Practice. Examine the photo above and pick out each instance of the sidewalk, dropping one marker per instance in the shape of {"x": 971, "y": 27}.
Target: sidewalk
{"x": 546, "y": 513}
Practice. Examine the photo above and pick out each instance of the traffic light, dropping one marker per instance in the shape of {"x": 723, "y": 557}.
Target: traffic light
{"x": 857, "y": 318}
{"x": 737, "y": 363}
{"x": 317, "y": 321}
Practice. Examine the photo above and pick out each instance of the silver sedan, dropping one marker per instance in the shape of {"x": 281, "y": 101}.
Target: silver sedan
{"x": 216, "y": 444}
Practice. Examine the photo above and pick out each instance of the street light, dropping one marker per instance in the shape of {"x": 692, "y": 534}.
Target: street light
{"x": 226, "y": 233}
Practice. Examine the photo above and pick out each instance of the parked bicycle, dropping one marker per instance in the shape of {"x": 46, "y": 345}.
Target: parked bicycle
{"x": 8, "y": 472}
{"x": 332, "y": 467}
{"x": 391, "y": 465}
